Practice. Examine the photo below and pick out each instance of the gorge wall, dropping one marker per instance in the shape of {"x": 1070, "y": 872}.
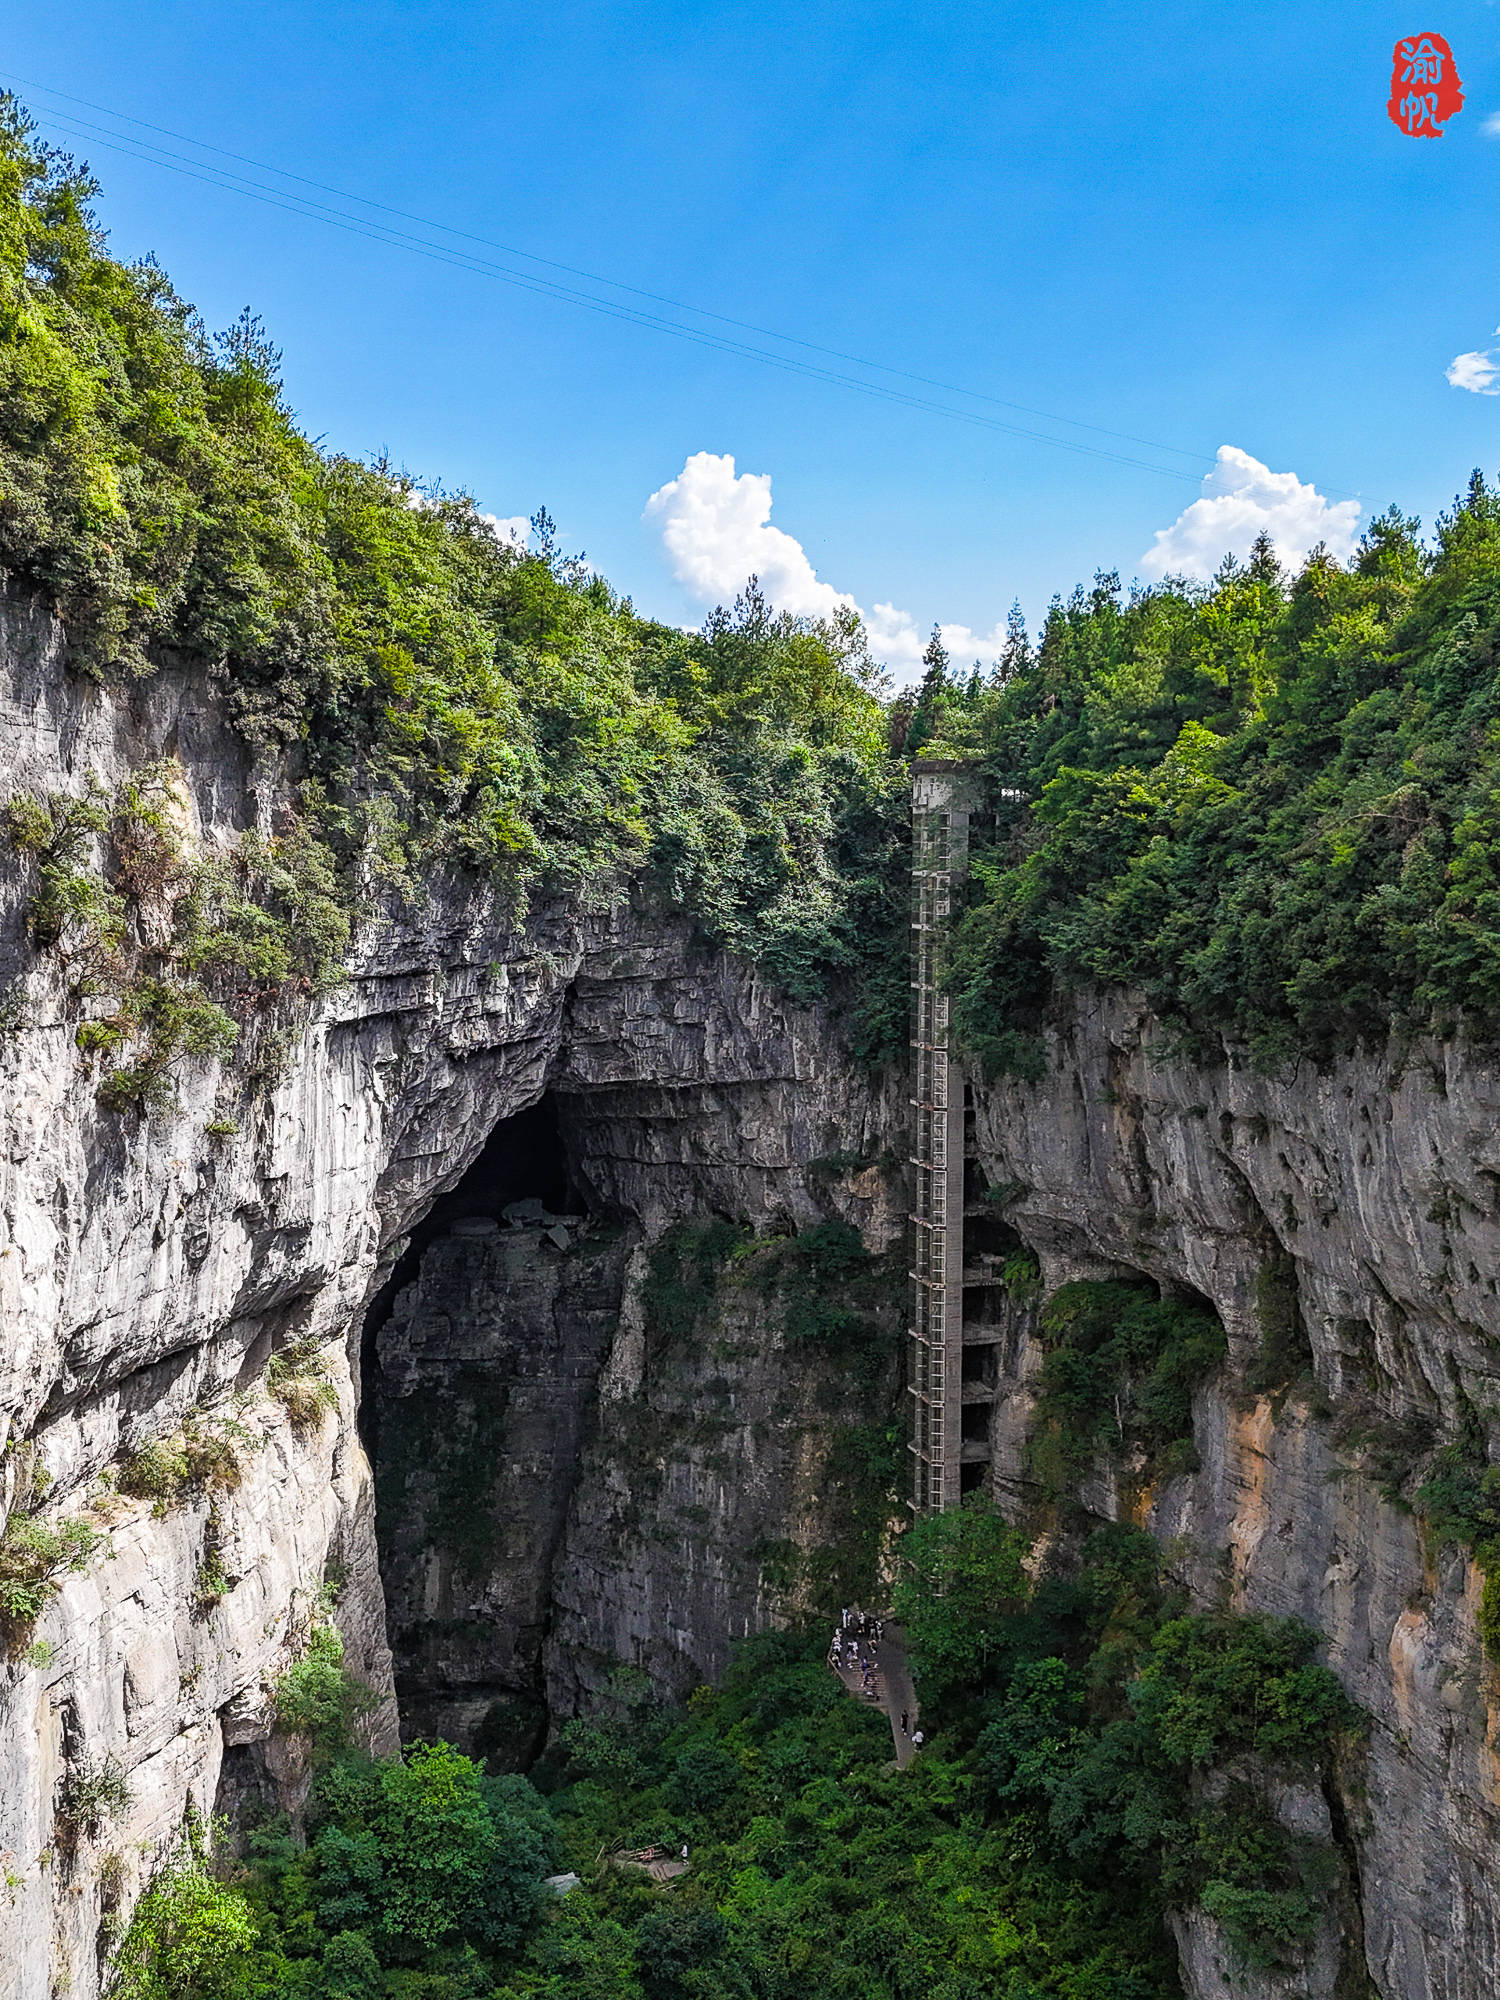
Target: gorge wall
{"x": 567, "y": 1487}
{"x": 150, "y": 1268}
{"x": 1378, "y": 1182}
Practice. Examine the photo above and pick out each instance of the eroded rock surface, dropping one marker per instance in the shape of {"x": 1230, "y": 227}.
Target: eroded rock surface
{"x": 1379, "y": 1185}
{"x": 149, "y": 1267}
{"x": 647, "y": 1505}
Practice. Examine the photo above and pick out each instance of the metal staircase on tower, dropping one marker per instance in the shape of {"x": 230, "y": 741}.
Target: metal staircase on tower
{"x": 956, "y": 1279}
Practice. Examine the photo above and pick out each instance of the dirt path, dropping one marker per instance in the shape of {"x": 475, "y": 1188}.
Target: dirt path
{"x": 891, "y": 1688}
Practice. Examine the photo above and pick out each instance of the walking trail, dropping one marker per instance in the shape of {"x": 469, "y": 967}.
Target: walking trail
{"x": 893, "y": 1691}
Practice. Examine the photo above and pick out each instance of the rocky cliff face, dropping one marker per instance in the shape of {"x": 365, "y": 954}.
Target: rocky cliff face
{"x": 150, "y": 1267}
{"x": 1378, "y": 1185}
{"x": 565, "y": 1488}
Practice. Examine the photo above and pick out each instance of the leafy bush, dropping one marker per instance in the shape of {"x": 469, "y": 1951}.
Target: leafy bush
{"x": 158, "y": 1471}
{"x": 1120, "y": 1369}
{"x": 683, "y": 1275}
{"x": 1022, "y": 1276}
{"x": 203, "y": 1457}
{"x": 318, "y": 1697}
{"x": 190, "y": 1937}
{"x": 33, "y": 1556}
{"x": 425, "y": 1862}
{"x": 212, "y": 1582}
{"x": 961, "y": 1583}
{"x": 296, "y": 1375}
{"x": 92, "y": 1797}
{"x": 1460, "y": 1503}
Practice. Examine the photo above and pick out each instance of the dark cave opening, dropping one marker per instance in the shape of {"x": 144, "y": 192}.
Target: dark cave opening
{"x": 464, "y": 1409}
{"x": 522, "y": 1157}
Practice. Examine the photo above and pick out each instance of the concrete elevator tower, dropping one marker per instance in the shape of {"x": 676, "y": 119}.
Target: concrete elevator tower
{"x": 944, "y": 795}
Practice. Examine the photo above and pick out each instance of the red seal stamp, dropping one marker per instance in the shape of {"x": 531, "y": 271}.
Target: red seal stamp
{"x": 1425, "y": 90}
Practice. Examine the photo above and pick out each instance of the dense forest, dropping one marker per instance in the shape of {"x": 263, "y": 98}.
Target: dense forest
{"x": 444, "y": 698}
{"x": 1268, "y": 803}
{"x": 1059, "y": 1808}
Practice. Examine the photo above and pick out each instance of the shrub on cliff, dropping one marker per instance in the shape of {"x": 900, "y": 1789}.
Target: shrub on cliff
{"x": 319, "y": 1698}
{"x": 1120, "y": 1367}
{"x": 191, "y": 1936}
{"x": 34, "y": 1556}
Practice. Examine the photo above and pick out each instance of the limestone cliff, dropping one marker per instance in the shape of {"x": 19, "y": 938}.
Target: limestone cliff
{"x": 1377, "y": 1181}
{"x": 563, "y": 1487}
{"x": 150, "y": 1267}
{"x": 566, "y": 1488}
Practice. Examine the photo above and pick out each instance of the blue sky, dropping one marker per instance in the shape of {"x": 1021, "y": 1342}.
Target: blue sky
{"x": 1188, "y": 223}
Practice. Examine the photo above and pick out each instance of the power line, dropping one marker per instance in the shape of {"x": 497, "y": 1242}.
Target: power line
{"x": 153, "y": 155}
{"x": 616, "y": 284}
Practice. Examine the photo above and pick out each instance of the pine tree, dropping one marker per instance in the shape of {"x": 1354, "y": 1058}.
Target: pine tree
{"x": 1015, "y": 654}
{"x": 932, "y": 695}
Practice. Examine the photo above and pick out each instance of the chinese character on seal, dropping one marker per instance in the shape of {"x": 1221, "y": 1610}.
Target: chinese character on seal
{"x": 1425, "y": 88}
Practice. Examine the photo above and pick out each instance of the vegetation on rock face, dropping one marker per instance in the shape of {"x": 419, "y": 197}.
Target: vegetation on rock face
{"x": 297, "y": 1376}
{"x": 34, "y": 1556}
{"x": 830, "y": 1289}
{"x": 453, "y": 699}
{"x": 92, "y": 1796}
{"x": 190, "y": 1936}
{"x": 1285, "y": 1350}
{"x": 833, "y": 1305}
{"x": 1460, "y": 1503}
{"x": 170, "y": 950}
{"x": 1117, "y": 1380}
{"x": 203, "y": 1457}
{"x": 686, "y": 1267}
{"x": 318, "y": 1697}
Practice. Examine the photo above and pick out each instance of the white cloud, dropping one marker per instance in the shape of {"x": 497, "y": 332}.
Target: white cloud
{"x": 895, "y": 640}
{"x": 504, "y": 527}
{"x": 1491, "y": 126}
{"x": 716, "y": 529}
{"x": 1241, "y": 498}
{"x": 965, "y": 646}
{"x": 508, "y": 527}
{"x": 1474, "y": 371}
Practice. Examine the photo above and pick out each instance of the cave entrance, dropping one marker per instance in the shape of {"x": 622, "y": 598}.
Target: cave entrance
{"x": 480, "y": 1354}
{"x": 522, "y": 1158}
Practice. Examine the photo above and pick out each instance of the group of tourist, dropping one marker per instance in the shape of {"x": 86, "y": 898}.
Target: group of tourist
{"x": 855, "y": 1639}
{"x": 855, "y": 1651}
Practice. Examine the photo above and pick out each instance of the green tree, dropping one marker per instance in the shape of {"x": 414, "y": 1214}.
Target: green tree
{"x": 961, "y": 1582}
{"x": 449, "y": 1867}
{"x": 190, "y": 1938}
